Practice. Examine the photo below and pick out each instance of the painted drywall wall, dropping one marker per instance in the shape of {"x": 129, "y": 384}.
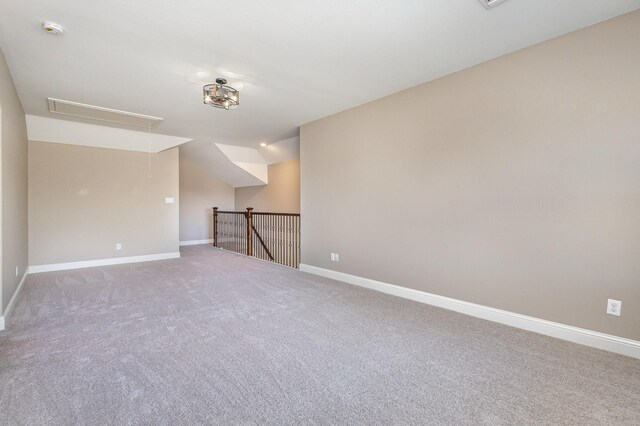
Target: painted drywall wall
{"x": 14, "y": 233}
{"x": 513, "y": 184}
{"x": 281, "y": 194}
{"x": 199, "y": 193}
{"x": 85, "y": 200}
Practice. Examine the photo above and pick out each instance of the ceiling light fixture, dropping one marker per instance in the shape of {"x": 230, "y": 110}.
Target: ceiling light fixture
{"x": 263, "y": 144}
{"x": 220, "y": 95}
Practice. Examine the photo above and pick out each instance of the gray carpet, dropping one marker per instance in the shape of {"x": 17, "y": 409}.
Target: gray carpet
{"x": 218, "y": 338}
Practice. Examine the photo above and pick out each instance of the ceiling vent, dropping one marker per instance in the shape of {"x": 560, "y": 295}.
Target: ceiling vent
{"x": 92, "y": 112}
{"x": 491, "y": 3}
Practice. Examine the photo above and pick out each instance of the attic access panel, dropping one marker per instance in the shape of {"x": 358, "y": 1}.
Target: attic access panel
{"x": 92, "y": 112}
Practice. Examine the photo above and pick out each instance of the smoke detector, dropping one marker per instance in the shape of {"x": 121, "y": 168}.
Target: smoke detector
{"x": 52, "y": 28}
{"x": 491, "y": 3}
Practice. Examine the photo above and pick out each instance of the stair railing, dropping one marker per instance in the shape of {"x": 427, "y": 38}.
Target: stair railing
{"x": 269, "y": 236}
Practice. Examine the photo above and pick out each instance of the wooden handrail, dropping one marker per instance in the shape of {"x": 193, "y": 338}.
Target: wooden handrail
{"x": 255, "y": 213}
{"x": 277, "y": 214}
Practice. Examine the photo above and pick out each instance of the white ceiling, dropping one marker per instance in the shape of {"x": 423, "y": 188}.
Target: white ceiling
{"x": 293, "y": 60}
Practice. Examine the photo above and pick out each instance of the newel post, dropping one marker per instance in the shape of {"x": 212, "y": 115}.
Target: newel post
{"x": 249, "y": 232}
{"x": 215, "y": 227}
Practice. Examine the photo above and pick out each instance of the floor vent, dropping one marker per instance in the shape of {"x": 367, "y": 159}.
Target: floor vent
{"x": 491, "y": 3}
{"x": 93, "y": 112}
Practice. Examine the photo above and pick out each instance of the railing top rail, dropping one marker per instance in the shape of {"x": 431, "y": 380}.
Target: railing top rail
{"x": 276, "y": 214}
{"x": 255, "y": 213}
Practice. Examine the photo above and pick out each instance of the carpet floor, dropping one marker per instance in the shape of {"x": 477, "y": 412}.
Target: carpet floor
{"x": 219, "y": 338}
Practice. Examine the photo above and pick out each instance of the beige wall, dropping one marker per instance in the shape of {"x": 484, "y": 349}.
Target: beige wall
{"x": 82, "y": 201}
{"x": 282, "y": 194}
{"x": 199, "y": 193}
{"x": 513, "y": 184}
{"x": 13, "y": 135}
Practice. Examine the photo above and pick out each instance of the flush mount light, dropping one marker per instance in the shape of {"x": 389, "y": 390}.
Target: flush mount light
{"x": 220, "y": 95}
{"x": 52, "y": 28}
{"x": 263, "y": 144}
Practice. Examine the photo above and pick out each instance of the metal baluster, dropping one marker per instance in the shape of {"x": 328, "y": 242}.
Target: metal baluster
{"x": 279, "y": 255}
{"x": 289, "y": 245}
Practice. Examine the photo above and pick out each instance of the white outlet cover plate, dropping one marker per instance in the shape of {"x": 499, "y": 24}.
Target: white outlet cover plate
{"x": 614, "y": 307}
{"x": 169, "y": 200}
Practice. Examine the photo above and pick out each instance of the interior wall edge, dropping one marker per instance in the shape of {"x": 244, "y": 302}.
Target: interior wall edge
{"x": 12, "y": 302}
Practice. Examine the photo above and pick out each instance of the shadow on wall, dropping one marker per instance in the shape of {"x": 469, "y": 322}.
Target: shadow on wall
{"x": 281, "y": 195}
{"x": 13, "y": 204}
{"x": 199, "y": 193}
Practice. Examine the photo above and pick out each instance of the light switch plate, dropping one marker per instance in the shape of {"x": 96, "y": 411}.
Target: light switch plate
{"x": 169, "y": 200}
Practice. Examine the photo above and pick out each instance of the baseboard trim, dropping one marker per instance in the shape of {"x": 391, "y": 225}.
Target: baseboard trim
{"x": 101, "y": 262}
{"x": 7, "y": 312}
{"x": 196, "y": 242}
{"x": 570, "y": 333}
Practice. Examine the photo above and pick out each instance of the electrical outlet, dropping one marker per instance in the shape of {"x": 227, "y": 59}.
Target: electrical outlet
{"x": 614, "y": 307}
{"x": 17, "y": 271}
{"x": 335, "y": 257}
{"x": 118, "y": 246}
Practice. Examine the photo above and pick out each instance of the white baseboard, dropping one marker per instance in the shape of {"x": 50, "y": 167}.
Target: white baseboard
{"x": 102, "y": 262}
{"x": 196, "y": 242}
{"x": 5, "y": 315}
{"x": 578, "y": 335}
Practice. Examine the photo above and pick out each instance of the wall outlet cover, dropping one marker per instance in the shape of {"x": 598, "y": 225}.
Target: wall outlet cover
{"x": 614, "y": 307}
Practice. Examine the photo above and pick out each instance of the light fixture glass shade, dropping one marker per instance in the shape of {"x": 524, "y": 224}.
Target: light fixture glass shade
{"x": 220, "y": 95}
